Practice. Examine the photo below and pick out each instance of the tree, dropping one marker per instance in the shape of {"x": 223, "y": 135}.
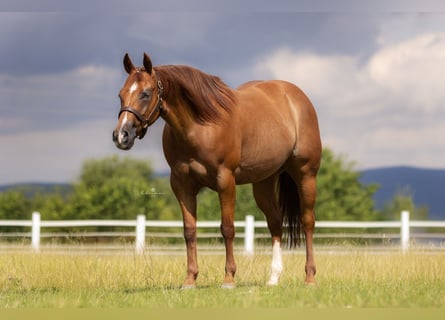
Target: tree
{"x": 162, "y": 203}
{"x": 50, "y": 205}
{"x": 115, "y": 188}
{"x": 403, "y": 200}
{"x": 15, "y": 206}
{"x": 340, "y": 195}
{"x": 209, "y": 207}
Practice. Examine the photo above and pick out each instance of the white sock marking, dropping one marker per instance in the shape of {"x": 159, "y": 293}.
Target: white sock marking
{"x": 277, "y": 264}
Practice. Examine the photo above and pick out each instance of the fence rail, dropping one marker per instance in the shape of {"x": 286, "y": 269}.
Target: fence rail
{"x": 249, "y": 225}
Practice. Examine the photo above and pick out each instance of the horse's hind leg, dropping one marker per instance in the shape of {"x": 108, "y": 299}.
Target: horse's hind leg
{"x": 308, "y": 194}
{"x": 264, "y": 193}
{"x": 305, "y": 178}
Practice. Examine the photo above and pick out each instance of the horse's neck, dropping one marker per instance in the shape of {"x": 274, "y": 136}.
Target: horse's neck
{"x": 180, "y": 119}
{"x": 176, "y": 115}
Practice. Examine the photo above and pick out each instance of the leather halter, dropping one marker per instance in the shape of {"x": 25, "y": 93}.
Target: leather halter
{"x": 146, "y": 122}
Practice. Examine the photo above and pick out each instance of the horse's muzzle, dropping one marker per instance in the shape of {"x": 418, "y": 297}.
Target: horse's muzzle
{"x": 124, "y": 138}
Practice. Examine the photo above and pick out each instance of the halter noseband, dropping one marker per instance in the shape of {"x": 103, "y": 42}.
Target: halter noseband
{"x": 146, "y": 121}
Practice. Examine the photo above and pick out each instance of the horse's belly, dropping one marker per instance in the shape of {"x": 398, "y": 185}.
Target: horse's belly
{"x": 257, "y": 171}
{"x": 263, "y": 154}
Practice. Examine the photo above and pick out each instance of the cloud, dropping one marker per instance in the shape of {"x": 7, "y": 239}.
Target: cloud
{"x": 47, "y": 101}
{"x": 412, "y": 72}
{"x": 384, "y": 110}
{"x": 57, "y": 155}
{"x": 171, "y": 29}
{"x": 49, "y": 42}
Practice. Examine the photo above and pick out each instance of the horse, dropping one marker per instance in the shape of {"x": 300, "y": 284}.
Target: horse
{"x": 264, "y": 133}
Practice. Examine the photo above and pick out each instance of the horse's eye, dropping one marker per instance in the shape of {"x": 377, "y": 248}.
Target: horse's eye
{"x": 145, "y": 95}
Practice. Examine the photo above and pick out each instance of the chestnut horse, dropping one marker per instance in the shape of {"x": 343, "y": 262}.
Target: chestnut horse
{"x": 264, "y": 133}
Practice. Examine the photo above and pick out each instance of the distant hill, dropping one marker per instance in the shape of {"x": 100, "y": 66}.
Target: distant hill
{"x": 30, "y": 189}
{"x": 427, "y": 186}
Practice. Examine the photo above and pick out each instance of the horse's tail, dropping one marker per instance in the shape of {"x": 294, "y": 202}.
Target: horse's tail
{"x": 289, "y": 202}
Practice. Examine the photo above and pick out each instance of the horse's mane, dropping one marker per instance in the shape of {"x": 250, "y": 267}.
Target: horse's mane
{"x": 206, "y": 95}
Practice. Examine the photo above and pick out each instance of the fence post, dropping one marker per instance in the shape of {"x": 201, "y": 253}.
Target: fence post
{"x": 249, "y": 235}
{"x": 35, "y": 232}
{"x": 404, "y": 230}
{"x": 140, "y": 234}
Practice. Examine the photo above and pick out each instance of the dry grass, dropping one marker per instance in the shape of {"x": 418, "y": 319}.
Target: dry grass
{"x": 351, "y": 279}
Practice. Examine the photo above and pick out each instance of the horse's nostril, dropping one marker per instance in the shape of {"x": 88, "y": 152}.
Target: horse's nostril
{"x": 122, "y": 136}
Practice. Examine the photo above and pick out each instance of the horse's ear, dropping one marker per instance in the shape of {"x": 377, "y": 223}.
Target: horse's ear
{"x": 147, "y": 63}
{"x": 128, "y": 65}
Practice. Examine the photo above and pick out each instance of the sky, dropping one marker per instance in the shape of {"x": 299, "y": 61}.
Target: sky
{"x": 373, "y": 72}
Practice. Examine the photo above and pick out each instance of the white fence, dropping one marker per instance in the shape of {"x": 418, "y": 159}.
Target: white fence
{"x": 249, "y": 225}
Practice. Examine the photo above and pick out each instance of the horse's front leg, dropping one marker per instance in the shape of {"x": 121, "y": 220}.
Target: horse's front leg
{"x": 192, "y": 252}
{"x": 227, "y": 195}
{"x": 187, "y": 202}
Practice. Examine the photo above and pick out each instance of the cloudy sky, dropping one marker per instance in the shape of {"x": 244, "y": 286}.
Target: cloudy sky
{"x": 374, "y": 73}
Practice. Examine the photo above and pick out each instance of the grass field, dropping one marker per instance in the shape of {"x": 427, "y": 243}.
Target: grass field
{"x": 350, "y": 279}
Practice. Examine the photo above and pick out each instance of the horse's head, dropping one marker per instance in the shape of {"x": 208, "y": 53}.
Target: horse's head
{"x": 141, "y": 103}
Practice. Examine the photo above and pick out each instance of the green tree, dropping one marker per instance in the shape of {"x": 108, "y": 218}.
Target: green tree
{"x": 208, "y": 205}
{"x": 14, "y": 206}
{"x": 115, "y": 188}
{"x": 340, "y": 195}
{"x": 162, "y": 203}
{"x": 209, "y": 208}
{"x": 50, "y": 205}
{"x": 403, "y": 200}
{"x": 245, "y": 204}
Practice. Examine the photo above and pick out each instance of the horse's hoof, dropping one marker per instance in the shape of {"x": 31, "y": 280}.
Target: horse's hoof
{"x": 272, "y": 283}
{"x": 188, "y": 287}
{"x": 310, "y": 284}
{"x": 228, "y": 286}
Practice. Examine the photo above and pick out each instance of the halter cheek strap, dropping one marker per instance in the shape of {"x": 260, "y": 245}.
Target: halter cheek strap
{"x": 146, "y": 122}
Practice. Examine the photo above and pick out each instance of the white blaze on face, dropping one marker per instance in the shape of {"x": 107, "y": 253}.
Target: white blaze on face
{"x": 133, "y": 88}
{"x": 277, "y": 264}
{"x": 121, "y": 136}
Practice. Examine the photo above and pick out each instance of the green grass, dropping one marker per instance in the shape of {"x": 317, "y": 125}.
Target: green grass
{"x": 347, "y": 280}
